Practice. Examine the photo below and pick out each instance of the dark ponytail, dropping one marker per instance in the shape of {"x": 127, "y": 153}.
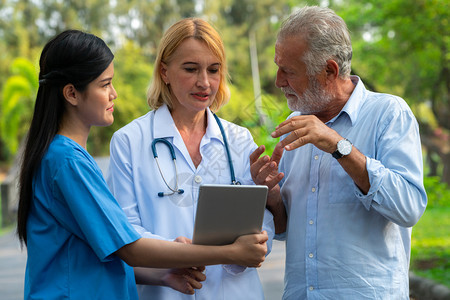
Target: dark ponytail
{"x": 71, "y": 57}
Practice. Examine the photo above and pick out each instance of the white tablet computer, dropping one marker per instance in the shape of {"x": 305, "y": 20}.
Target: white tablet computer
{"x": 225, "y": 212}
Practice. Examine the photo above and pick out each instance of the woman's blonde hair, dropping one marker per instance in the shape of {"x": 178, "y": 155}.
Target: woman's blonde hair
{"x": 158, "y": 92}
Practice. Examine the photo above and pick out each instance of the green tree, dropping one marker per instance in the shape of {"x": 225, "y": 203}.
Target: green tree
{"x": 145, "y": 21}
{"x": 16, "y": 105}
{"x": 402, "y": 47}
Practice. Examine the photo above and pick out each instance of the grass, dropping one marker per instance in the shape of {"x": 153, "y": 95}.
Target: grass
{"x": 430, "y": 245}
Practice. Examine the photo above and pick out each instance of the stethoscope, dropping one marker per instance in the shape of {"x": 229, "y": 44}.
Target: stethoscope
{"x": 175, "y": 189}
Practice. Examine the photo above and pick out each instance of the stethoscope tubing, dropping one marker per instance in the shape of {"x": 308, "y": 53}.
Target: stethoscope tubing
{"x": 172, "y": 153}
{"x": 227, "y": 149}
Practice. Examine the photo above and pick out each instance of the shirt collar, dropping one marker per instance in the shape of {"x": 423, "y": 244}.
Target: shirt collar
{"x": 353, "y": 105}
{"x": 164, "y": 126}
{"x": 212, "y": 130}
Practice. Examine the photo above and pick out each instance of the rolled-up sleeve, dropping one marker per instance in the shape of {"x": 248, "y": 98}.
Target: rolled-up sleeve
{"x": 396, "y": 172}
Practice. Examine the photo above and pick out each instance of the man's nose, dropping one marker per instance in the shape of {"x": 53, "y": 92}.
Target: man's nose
{"x": 280, "y": 81}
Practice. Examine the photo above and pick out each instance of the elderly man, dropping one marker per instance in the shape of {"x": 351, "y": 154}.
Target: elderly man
{"x": 349, "y": 186}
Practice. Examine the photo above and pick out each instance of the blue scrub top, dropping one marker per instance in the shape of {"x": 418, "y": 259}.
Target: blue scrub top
{"x": 74, "y": 227}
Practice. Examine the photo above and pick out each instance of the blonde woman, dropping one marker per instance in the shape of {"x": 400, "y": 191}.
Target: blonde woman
{"x": 159, "y": 197}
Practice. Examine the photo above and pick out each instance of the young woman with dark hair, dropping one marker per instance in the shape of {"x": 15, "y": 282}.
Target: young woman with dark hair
{"x": 79, "y": 242}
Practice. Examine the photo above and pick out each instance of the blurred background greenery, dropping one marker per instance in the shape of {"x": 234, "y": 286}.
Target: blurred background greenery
{"x": 399, "y": 47}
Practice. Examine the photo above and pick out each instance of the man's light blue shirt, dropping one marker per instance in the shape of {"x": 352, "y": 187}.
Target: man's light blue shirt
{"x": 340, "y": 243}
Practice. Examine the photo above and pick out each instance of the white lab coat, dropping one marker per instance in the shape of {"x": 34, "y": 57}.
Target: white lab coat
{"x": 135, "y": 181}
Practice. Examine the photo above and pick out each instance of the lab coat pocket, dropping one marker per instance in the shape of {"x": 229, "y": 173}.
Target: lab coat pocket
{"x": 341, "y": 185}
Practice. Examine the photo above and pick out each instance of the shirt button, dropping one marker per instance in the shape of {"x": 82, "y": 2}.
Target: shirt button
{"x": 316, "y": 157}
{"x": 313, "y": 189}
{"x": 311, "y": 255}
{"x": 311, "y": 288}
{"x": 198, "y": 179}
{"x": 311, "y": 222}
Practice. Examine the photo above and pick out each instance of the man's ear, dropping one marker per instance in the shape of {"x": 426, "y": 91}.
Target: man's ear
{"x": 332, "y": 70}
{"x": 71, "y": 94}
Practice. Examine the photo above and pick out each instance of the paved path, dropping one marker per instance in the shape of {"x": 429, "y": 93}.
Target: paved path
{"x": 12, "y": 267}
{"x": 272, "y": 272}
{"x": 13, "y": 260}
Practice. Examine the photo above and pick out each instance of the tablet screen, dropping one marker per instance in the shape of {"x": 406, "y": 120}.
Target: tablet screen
{"x": 225, "y": 212}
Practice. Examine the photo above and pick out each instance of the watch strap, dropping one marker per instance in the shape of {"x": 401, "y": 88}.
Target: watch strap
{"x": 336, "y": 154}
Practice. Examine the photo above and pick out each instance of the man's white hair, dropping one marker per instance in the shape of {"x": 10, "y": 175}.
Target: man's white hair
{"x": 326, "y": 35}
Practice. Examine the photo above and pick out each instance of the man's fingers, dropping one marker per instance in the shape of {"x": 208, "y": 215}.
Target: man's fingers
{"x": 258, "y": 165}
{"x": 283, "y": 128}
{"x": 292, "y": 124}
{"x": 262, "y": 176}
{"x": 295, "y": 139}
{"x": 257, "y": 153}
{"x": 277, "y": 153}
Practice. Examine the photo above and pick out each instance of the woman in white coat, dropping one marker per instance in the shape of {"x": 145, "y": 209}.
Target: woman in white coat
{"x": 188, "y": 85}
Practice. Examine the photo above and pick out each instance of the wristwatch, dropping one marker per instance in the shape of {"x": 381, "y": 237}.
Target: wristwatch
{"x": 344, "y": 147}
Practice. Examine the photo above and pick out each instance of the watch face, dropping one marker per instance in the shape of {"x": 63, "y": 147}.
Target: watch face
{"x": 344, "y": 147}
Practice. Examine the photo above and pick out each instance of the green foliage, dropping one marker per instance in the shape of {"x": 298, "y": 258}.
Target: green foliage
{"x": 402, "y": 47}
{"x": 276, "y": 111}
{"x": 235, "y": 20}
{"x": 438, "y": 192}
{"x": 424, "y": 114}
{"x": 242, "y": 110}
{"x": 430, "y": 245}
{"x": 17, "y": 103}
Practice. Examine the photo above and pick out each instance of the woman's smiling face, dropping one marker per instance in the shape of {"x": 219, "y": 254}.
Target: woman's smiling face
{"x": 193, "y": 75}
{"x": 97, "y": 106}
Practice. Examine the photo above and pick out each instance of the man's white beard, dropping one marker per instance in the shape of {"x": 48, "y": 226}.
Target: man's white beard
{"x": 315, "y": 99}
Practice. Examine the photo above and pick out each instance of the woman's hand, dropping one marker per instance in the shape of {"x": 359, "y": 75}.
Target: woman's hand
{"x": 183, "y": 240}
{"x": 250, "y": 250}
{"x": 184, "y": 280}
